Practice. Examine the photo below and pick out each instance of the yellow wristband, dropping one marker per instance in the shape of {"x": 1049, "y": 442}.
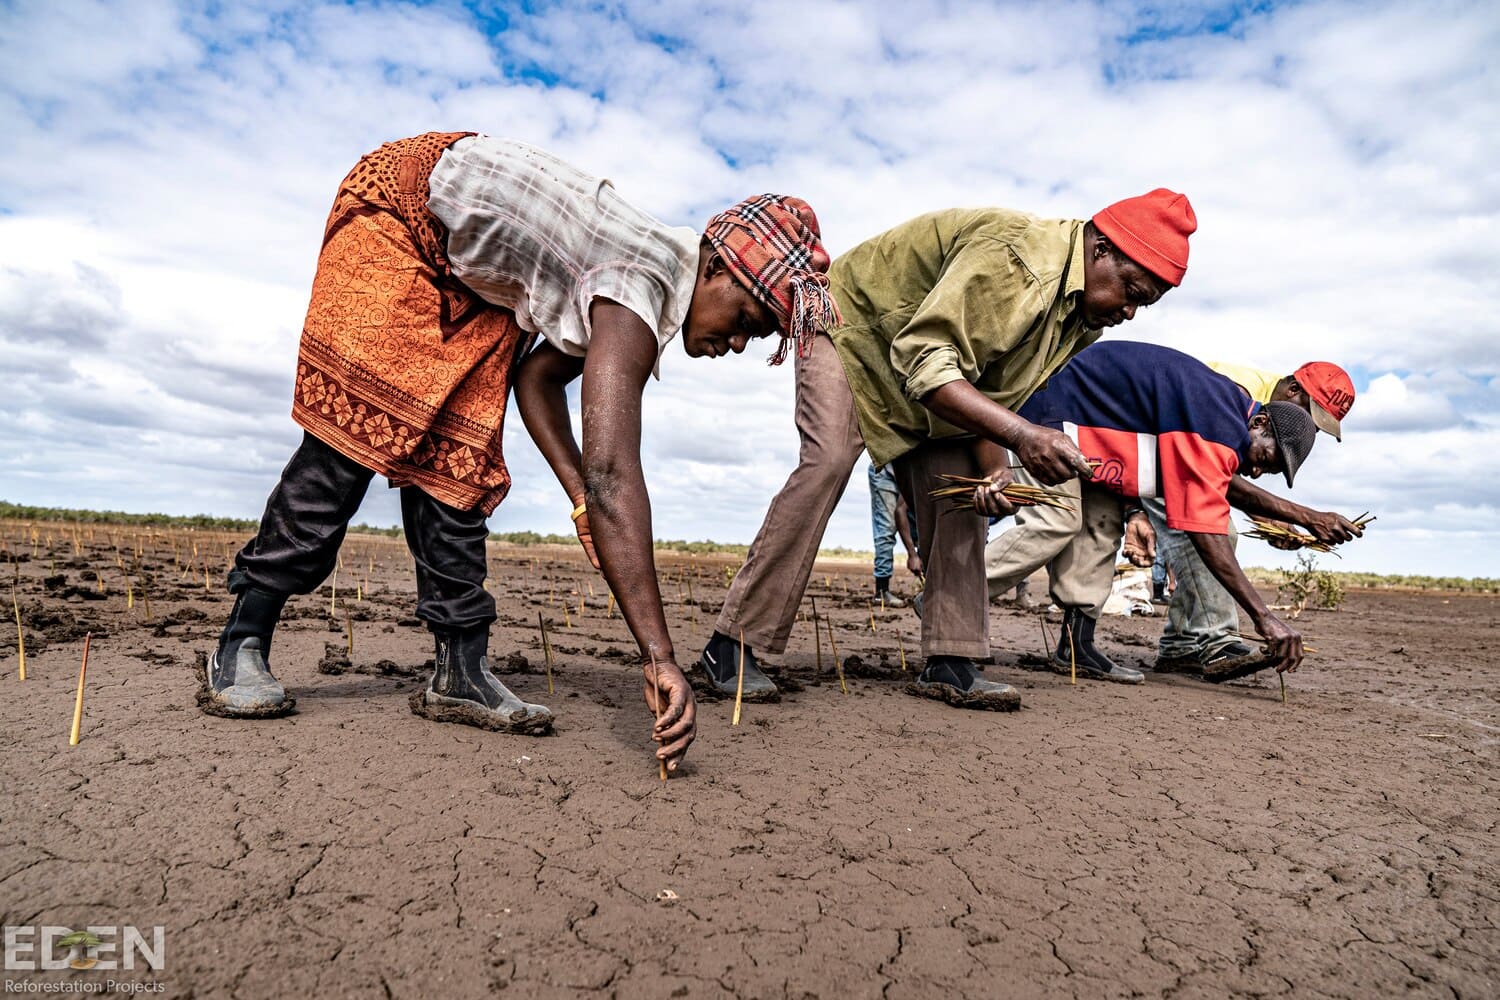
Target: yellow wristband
{"x": 579, "y": 511}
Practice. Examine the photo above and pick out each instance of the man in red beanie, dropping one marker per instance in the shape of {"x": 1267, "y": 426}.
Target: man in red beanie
{"x": 949, "y": 322}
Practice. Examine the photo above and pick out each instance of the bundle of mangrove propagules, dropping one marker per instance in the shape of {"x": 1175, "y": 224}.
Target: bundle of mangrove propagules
{"x": 961, "y": 494}
{"x": 1268, "y": 531}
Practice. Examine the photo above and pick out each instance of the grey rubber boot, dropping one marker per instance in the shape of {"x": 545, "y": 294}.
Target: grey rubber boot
{"x": 237, "y": 678}
{"x": 463, "y": 690}
{"x": 956, "y": 680}
{"x": 1075, "y": 644}
{"x": 721, "y": 663}
{"x": 240, "y": 681}
{"x": 883, "y": 595}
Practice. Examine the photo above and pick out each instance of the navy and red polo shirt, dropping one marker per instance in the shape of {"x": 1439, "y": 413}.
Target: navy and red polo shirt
{"x": 1161, "y": 424}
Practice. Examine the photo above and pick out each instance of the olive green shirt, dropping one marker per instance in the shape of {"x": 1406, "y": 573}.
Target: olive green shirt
{"x": 986, "y": 295}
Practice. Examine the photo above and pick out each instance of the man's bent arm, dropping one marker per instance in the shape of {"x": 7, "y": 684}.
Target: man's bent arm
{"x": 1326, "y": 526}
{"x": 1048, "y": 454}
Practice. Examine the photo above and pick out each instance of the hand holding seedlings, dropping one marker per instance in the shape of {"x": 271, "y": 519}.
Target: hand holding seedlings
{"x": 1333, "y": 528}
{"x": 965, "y": 494}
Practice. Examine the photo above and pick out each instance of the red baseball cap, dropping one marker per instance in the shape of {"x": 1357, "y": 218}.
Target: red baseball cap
{"x": 1152, "y": 230}
{"x": 1330, "y": 391}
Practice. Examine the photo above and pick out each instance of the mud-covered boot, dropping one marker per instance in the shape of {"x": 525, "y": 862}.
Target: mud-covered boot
{"x": 956, "y": 680}
{"x": 1234, "y": 661}
{"x": 1076, "y": 645}
{"x": 720, "y": 662}
{"x": 236, "y": 680}
{"x": 883, "y": 595}
{"x": 463, "y": 690}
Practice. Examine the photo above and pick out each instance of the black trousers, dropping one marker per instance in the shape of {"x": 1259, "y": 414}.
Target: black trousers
{"x": 304, "y": 525}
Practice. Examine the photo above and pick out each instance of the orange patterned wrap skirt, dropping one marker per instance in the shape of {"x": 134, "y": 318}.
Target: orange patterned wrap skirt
{"x": 401, "y": 368}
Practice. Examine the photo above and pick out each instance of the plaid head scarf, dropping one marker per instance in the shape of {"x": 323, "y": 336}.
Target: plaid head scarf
{"x": 772, "y": 245}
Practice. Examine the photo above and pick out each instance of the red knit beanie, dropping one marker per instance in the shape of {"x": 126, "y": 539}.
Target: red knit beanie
{"x": 1153, "y": 231}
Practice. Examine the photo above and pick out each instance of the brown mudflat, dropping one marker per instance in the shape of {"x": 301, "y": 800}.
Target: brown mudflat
{"x": 1175, "y": 838}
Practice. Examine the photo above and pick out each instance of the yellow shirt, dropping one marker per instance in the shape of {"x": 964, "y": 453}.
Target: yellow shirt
{"x": 985, "y": 295}
{"x": 1258, "y": 382}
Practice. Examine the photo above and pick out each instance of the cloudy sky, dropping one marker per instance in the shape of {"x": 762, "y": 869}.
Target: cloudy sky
{"x": 167, "y": 169}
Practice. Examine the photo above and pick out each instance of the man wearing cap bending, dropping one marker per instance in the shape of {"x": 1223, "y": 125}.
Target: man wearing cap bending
{"x": 949, "y": 323}
{"x": 1161, "y": 426}
{"x": 1202, "y": 631}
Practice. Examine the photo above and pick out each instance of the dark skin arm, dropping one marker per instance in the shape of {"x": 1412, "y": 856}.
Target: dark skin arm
{"x": 1049, "y": 455}
{"x": 913, "y": 560}
{"x": 1325, "y": 526}
{"x": 622, "y": 352}
{"x": 542, "y": 397}
{"x": 1284, "y": 643}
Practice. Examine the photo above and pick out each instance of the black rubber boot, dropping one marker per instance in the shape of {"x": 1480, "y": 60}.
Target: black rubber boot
{"x": 720, "y": 662}
{"x": 956, "y": 680}
{"x": 463, "y": 690}
{"x": 1076, "y": 644}
{"x": 237, "y": 679}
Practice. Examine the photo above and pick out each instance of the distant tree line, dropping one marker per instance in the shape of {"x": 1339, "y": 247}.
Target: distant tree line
{"x": 205, "y": 522}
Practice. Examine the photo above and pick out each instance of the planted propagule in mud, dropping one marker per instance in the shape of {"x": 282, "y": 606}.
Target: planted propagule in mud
{"x": 83, "y": 671}
{"x": 739, "y": 686}
{"x": 838, "y": 665}
{"x": 20, "y": 632}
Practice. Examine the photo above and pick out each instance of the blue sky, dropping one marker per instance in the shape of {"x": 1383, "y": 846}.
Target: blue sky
{"x": 168, "y": 168}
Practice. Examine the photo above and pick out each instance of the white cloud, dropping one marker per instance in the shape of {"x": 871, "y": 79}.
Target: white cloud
{"x": 1391, "y": 403}
{"x": 169, "y": 166}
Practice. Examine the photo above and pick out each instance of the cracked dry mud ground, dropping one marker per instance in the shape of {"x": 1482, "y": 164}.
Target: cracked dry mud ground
{"x": 1174, "y": 839}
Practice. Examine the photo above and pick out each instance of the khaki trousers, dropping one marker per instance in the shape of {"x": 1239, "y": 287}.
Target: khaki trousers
{"x": 955, "y": 609}
{"x": 766, "y": 592}
{"x": 768, "y": 589}
{"x": 1078, "y": 547}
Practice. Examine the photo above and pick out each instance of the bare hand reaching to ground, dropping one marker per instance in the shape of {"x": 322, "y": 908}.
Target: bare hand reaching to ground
{"x": 676, "y": 717}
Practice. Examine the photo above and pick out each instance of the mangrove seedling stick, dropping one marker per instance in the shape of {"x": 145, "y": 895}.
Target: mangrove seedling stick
{"x": 901, "y": 648}
{"x": 348, "y": 634}
{"x": 78, "y": 702}
{"x": 872, "y": 617}
{"x": 739, "y": 686}
{"x": 1281, "y": 676}
{"x": 1072, "y": 659}
{"x": 20, "y": 634}
{"x": 817, "y": 635}
{"x": 837, "y": 666}
{"x": 546, "y": 650}
{"x": 661, "y": 765}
